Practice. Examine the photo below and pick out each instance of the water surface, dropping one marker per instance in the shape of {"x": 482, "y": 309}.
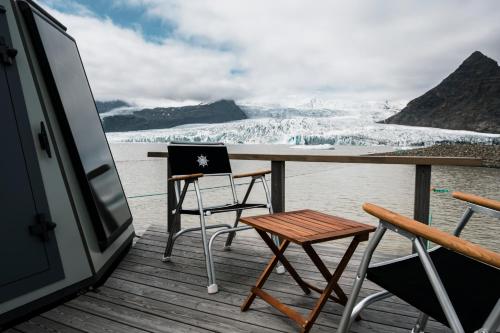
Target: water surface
{"x": 335, "y": 188}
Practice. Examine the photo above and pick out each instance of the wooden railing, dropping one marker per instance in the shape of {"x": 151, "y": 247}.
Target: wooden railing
{"x": 423, "y": 168}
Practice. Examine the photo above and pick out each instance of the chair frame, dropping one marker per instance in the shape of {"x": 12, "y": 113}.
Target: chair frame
{"x": 180, "y": 193}
{"x": 475, "y": 204}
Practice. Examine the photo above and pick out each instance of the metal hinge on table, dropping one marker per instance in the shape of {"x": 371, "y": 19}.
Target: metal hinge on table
{"x": 7, "y": 53}
{"x": 42, "y": 227}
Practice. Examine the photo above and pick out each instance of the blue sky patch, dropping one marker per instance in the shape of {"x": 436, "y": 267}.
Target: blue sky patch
{"x": 237, "y": 71}
{"x": 133, "y": 17}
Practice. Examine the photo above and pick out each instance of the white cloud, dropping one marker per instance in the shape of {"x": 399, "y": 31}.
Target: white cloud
{"x": 332, "y": 49}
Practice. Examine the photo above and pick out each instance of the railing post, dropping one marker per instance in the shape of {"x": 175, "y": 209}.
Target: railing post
{"x": 422, "y": 193}
{"x": 421, "y": 206}
{"x": 278, "y": 186}
{"x": 172, "y": 226}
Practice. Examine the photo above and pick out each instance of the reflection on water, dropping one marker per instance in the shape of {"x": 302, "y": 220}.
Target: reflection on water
{"x": 334, "y": 188}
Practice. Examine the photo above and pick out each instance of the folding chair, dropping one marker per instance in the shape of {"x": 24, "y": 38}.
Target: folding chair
{"x": 188, "y": 162}
{"x": 457, "y": 283}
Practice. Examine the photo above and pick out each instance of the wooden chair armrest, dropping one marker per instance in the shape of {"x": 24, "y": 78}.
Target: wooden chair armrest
{"x": 435, "y": 235}
{"x": 252, "y": 174}
{"x": 185, "y": 177}
{"x": 475, "y": 199}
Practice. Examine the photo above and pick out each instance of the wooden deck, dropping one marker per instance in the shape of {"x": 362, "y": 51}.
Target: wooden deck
{"x": 146, "y": 295}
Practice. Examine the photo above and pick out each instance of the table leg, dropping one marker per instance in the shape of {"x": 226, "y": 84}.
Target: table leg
{"x": 284, "y": 261}
{"x": 342, "y": 298}
{"x": 331, "y": 278}
{"x": 264, "y": 275}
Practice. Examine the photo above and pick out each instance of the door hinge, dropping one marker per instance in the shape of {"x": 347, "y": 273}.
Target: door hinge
{"x": 42, "y": 227}
{"x": 7, "y": 53}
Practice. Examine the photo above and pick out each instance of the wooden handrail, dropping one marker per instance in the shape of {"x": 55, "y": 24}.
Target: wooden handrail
{"x": 317, "y": 157}
{"x": 434, "y": 235}
{"x": 475, "y": 199}
{"x": 252, "y": 174}
{"x": 186, "y": 177}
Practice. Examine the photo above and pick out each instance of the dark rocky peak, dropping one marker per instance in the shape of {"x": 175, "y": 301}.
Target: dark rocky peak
{"x": 468, "y": 99}
{"x": 216, "y": 112}
{"x": 105, "y": 106}
{"x": 225, "y": 102}
{"x": 477, "y": 65}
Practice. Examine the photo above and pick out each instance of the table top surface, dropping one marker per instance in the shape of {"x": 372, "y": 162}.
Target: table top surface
{"x": 307, "y": 226}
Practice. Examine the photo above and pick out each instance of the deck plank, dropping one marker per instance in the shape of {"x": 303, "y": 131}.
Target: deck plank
{"x": 83, "y": 321}
{"x": 235, "y": 293}
{"x": 12, "y": 330}
{"x": 128, "y": 316}
{"x": 240, "y": 258}
{"x": 41, "y": 324}
{"x": 234, "y": 298}
{"x": 279, "y": 284}
{"x": 147, "y": 295}
{"x": 184, "y": 309}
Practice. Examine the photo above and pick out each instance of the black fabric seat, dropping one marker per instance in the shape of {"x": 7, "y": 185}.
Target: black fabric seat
{"x": 473, "y": 287}
{"x": 223, "y": 208}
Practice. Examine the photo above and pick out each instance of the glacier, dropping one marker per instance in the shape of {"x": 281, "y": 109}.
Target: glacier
{"x": 314, "y": 124}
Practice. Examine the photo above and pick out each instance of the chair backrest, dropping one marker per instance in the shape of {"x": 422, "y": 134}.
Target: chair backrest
{"x": 190, "y": 158}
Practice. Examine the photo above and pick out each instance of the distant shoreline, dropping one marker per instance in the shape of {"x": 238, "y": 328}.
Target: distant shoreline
{"x": 490, "y": 154}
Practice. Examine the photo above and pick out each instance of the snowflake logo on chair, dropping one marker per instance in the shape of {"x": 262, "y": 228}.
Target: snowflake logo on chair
{"x": 202, "y": 161}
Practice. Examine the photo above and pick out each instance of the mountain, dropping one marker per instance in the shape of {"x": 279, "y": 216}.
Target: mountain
{"x": 468, "y": 99}
{"x": 217, "y": 112}
{"x": 103, "y": 107}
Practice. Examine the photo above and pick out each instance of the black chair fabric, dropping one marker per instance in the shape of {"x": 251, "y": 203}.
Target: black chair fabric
{"x": 473, "y": 287}
{"x": 186, "y": 159}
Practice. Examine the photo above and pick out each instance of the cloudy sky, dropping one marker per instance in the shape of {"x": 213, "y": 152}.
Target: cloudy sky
{"x": 271, "y": 51}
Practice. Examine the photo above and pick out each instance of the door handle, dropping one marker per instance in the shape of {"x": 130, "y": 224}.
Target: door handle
{"x": 42, "y": 227}
{"x": 7, "y": 53}
{"x": 44, "y": 140}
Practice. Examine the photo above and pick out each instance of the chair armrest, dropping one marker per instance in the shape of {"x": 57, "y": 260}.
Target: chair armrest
{"x": 477, "y": 200}
{"x": 435, "y": 235}
{"x": 252, "y": 174}
{"x": 186, "y": 177}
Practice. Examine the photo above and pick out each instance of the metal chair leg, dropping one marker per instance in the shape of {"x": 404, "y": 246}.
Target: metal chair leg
{"x": 463, "y": 221}
{"x": 231, "y": 235}
{"x": 211, "y": 242}
{"x": 212, "y": 287}
{"x": 364, "y": 303}
{"x": 347, "y": 316}
{"x": 493, "y": 321}
{"x": 437, "y": 286}
{"x": 420, "y": 324}
{"x": 168, "y": 248}
{"x": 280, "y": 269}
{"x": 171, "y": 237}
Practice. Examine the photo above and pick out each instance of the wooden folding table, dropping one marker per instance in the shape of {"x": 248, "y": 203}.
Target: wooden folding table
{"x": 305, "y": 227}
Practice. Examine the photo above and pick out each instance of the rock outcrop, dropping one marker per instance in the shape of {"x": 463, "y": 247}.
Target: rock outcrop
{"x": 217, "y": 112}
{"x": 468, "y": 99}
